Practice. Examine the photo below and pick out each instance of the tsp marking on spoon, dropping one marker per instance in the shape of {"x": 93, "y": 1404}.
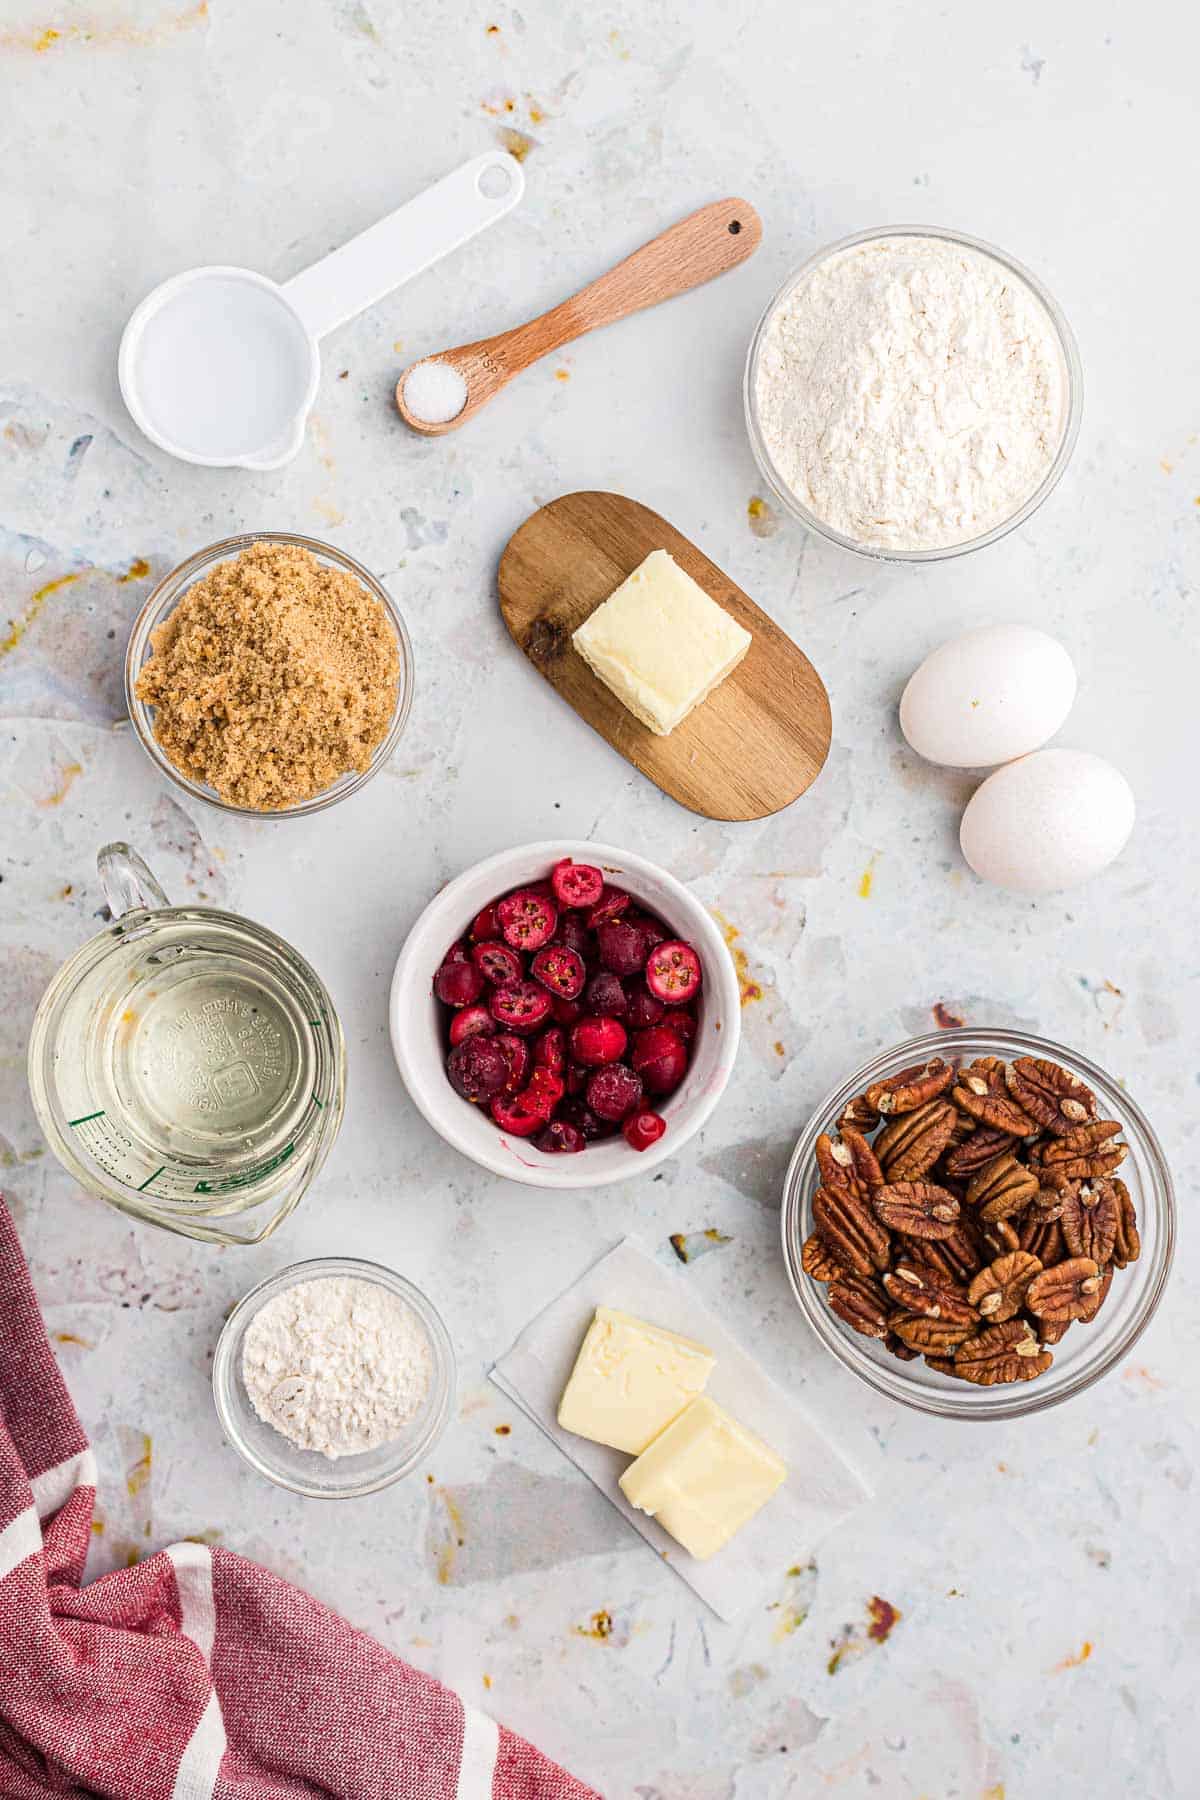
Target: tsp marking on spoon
{"x": 705, "y": 244}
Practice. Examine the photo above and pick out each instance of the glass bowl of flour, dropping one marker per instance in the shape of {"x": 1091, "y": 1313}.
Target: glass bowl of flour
{"x": 912, "y": 394}
{"x": 334, "y": 1377}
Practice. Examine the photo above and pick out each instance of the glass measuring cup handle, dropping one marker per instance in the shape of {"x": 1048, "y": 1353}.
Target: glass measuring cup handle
{"x": 127, "y": 882}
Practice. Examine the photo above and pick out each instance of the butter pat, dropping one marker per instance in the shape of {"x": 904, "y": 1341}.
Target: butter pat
{"x": 704, "y": 1478}
{"x": 630, "y": 1380}
{"x": 660, "y": 644}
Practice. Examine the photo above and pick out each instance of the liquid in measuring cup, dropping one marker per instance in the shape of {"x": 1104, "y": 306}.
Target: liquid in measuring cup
{"x": 198, "y": 1070}
{"x": 186, "y": 1064}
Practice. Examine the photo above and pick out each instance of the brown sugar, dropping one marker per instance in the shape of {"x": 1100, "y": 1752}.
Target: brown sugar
{"x": 274, "y": 676}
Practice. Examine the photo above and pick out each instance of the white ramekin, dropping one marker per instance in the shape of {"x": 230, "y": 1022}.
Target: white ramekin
{"x": 417, "y": 1021}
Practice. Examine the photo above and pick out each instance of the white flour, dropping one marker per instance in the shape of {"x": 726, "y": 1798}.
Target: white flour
{"x": 337, "y": 1365}
{"x": 911, "y": 393}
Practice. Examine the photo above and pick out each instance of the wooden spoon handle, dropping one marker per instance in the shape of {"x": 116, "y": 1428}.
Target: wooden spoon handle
{"x": 705, "y": 244}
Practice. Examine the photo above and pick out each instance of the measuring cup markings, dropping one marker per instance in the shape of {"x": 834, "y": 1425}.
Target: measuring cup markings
{"x": 222, "y": 1086}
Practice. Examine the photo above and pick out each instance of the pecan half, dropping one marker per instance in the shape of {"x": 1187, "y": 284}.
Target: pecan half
{"x": 1083, "y": 1154}
{"x": 1007, "y": 1352}
{"x": 1099, "y": 1297}
{"x": 860, "y": 1115}
{"x": 1127, "y": 1246}
{"x": 1065, "y": 1291}
{"x": 848, "y": 1161}
{"x": 1000, "y": 1237}
{"x": 860, "y": 1304}
{"x": 850, "y": 1230}
{"x": 999, "y": 1290}
{"x": 910, "y": 1088}
{"x": 1045, "y": 1207}
{"x": 1052, "y": 1331}
{"x": 892, "y": 1343}
{"x": 917, "y": 1289}
{"x": 910, "y": 1145}
{"x": 1042, "y": 1238}
{"x": 969, "y": 1156}
{"x": 1089, "y": 1220}
{"x": 917, "y": 1208}
{"x": 1001, "y": 1188}
{"x": 932, "y": 1337}
{"x": 1058, "y": 1100}
{"x": 817, "y": 1260}
{"x": 982, "y": 1092}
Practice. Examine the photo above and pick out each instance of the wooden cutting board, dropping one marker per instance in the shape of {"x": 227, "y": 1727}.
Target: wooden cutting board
{"x": 748, "y": 750}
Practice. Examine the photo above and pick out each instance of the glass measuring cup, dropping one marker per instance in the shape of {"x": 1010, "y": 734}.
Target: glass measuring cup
{"x": 187, "y": 1065}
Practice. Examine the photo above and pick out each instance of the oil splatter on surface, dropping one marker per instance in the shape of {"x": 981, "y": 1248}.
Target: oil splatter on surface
{"x": 854, "y": 1640}
{"x": 1077, "y": 1659}
{"x": 689, "y": 1246}
{"x": 762, "y": 517}
{"x": 748, "y": 985}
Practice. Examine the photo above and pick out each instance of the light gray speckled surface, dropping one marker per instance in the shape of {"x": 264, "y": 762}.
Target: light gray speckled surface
{"x": 148, "y": 137}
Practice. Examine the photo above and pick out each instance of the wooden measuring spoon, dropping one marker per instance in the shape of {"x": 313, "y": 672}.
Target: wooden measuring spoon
{"x": 703, "y": 245}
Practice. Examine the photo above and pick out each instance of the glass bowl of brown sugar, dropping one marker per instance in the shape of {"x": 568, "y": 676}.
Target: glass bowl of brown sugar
{"x": 269, "y": 675}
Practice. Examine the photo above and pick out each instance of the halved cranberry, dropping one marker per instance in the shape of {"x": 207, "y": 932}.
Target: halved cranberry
{"x": 522, "y": 1007}
{"x": 623, "y": 949}
{"x": 598, "y": 1040}
{"x": 497, "y": 963}
{"x": 604, "y": 994}
{"x": 516, "y": 1054}
{"x": 641, "y": 1008}
{"x": 576, "y": 1077}
{"x": 513, "y": 1116}
{"x": 560, "y": 970}
{"x": 660, "y": 1058}
{"x": 589, "y": 1127}
{"x": 673, "y": 972}
{"x": 565, "y": 1011}
{"x": 612, "y": 903}
{"x": 550, "y": 1049}
{"x": 614, "y": 1091}
{"x": 574, "y": 934}
{"x": 576, "y": 884}
{"x": 543, "y": 1093}
{"x": 485, "y": 926}
{"x": 458, "y": 983}
{"x": 682, "y": 1022}
{"x": 472, "y": 1021}
{"x": 477, "y": 1069}
{"x": 560, "y": 1138}
{"x": 527, "y": 919}
{"x": 642, "y": 1128}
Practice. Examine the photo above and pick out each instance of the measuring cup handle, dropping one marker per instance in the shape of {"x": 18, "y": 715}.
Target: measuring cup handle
{"x": 127, "y": 882}
{"x": 407, "y": 241}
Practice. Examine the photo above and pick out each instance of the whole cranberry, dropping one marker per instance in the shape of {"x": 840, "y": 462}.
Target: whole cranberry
{"x": 458, "y": 984}
{"x": 660, "y": 1058}
{"x": 470, "y": 1020}
{"x": 477, "y": 1068}
{"x": 598, "y": 1040}
{"x": 604, "y": 994}
{"x": 623, "y": 949}
{"x": 641, "y": 1007}
{"x": 560, "y": 1137}
{"x": 576, "y": 1113}
{"x": 614, "y": 1091}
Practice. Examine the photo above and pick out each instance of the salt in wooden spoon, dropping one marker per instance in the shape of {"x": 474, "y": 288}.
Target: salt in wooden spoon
{"x": 705, "y": 244}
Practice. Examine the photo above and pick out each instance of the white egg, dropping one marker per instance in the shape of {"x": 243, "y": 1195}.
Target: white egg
{"x": 989, "y": 695}
{"x": 1047, "y": 821}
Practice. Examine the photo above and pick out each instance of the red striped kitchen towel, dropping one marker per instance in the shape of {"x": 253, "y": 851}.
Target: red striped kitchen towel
{"x": 196, "y": 1675}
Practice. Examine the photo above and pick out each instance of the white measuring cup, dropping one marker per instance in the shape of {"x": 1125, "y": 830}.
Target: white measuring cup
{"x": 220, "y": 366}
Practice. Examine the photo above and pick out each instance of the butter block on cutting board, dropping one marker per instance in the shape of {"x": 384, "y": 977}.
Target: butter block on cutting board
{"x": 630, "y": 1380}
{"x": 660, "y": 643}
{"x": 704, "y": 1478}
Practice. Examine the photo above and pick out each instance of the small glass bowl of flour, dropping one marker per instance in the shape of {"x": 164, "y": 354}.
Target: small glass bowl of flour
{"x": 334, "y": 1378}
{"x": 912, "y": 394}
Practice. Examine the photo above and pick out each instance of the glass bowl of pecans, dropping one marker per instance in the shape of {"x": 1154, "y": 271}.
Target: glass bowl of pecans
{"x": 978, "y": 1223}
